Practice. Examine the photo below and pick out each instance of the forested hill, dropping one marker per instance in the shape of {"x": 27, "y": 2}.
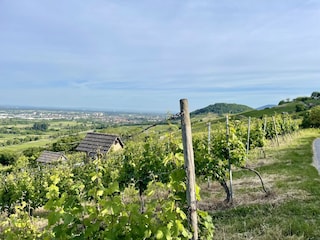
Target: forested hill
{"x": 222, "y": 108}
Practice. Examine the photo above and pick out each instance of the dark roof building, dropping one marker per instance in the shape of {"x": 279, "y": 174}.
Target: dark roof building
{"x": 51, "y": 157}
{"x": 101, "y": 143}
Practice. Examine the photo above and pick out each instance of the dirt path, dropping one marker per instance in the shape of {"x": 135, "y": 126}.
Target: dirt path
{"x": 316, "y": 153}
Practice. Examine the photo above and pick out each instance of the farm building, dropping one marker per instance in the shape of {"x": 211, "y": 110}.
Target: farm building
{"x": 49, "y": 157}
{"x": 99, "y": 143}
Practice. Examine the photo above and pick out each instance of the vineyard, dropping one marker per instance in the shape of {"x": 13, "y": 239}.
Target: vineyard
{"x": 140, "y": 191}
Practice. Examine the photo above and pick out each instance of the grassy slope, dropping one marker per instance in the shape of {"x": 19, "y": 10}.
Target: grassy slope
{"x": 288, "y": 108}
{"x": 23, "y": 146}
{"x": 57, "y": 128}
{"x": 292, "y": 209}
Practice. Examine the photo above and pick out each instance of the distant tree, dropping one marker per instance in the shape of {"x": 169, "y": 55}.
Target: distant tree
{"x": 312, "y": 118}
{"x": 301, "y": 99}
{"x": 9, "y": 142}
{"x": 40, "y": 126}
{"x": 315, "y": 116}
{"x": 282, "y": 102}
{"x": 8, "y": 157}
{"x": 66, "y": 144}
{"x": 300, "y": 107}
{"x": 306, "y": 120}
{"x": 33, "y": 151}
{"x": 315, "y": 95}
{"x": 16, "y": 141}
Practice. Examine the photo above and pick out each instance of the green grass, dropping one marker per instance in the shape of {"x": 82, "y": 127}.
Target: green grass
{"x": 23, "y": 146}
{"x": 288, "y": 107}
{"x": 290, "y": 211}
{"x": 57, "y": 129}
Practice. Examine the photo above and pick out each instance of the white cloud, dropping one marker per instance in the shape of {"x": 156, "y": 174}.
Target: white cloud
{"x": 169, "y": 49}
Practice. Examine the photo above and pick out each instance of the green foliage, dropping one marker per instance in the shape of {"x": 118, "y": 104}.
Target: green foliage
{"x": 150, "y": 160}
{"x": 300, "y": 107}
{"x": 282, "y": 102}
{"x": 213, "y": 160}
{"x": 28, "y": 184}
{"x": 301, "y": 99}
{"x": 20, "y": 225}
{"x": 112, "y": 214}
{"x": 103, "y": 211}
{"x": 86, "y": 202}
{"x": 33, "y": 152}
{"x": 256, "y": 134}
{"x": 315, "y": 95}
{"x": 222, "y": 108}
{"x": 40, "y": 126}
{"x": 66, "y": 144}
{"x": 312, "y": 118}
{"x": 15, "y": 189}
{"x": 8, "y": 157}
{"x": 280, "y": 124}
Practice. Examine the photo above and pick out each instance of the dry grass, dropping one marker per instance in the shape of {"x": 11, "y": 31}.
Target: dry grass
{"x": 248, "y": 191}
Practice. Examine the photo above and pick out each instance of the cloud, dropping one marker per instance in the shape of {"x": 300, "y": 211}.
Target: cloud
{"x": 134, "y": 51}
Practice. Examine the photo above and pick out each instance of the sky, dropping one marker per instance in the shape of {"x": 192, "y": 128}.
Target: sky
{"x": 147, "y": 55}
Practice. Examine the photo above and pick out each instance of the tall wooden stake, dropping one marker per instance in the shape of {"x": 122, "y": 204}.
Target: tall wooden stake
{"x": 228, "y": 152}
{"x": 209, "y": 136}
{"x": 209, "y": 139}
{"x": 189, "y": 166}
{"x": 248, "y": 138}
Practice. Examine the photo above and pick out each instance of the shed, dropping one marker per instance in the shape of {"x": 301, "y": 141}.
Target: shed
{"x": 49, "y": 157}
{"x": 99, "y": 143}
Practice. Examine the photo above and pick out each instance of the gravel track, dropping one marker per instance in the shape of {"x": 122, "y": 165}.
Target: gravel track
{"x": 316, "y": 153}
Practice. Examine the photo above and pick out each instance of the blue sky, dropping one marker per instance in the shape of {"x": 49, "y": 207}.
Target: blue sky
{"x": 146, "y": 55}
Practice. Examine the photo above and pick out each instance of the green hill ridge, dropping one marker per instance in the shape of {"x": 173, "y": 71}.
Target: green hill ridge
{"x": 222, "y": 108}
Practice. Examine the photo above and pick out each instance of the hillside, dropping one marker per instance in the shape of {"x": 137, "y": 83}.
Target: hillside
{"x": 296, "y": 107}
{"x": 287, "y": 107}
{"x": 222, "y": 108}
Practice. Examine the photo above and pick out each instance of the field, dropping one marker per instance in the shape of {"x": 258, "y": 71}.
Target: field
{"x": 149, "y": 177}
{"x": 18, "y": 135}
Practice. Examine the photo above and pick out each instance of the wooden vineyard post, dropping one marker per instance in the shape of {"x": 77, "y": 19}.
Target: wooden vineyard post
{"x": 209, "y": 139}
{"x": 189, "y": 166}
{"x": 209, "y": 136}
{"x": 228, "y": 156}
{"x": 248, "y": 137}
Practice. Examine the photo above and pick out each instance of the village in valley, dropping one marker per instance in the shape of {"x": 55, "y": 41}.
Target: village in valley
{"x": 24, "y": 128}
{"x": 111, "y": 117}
